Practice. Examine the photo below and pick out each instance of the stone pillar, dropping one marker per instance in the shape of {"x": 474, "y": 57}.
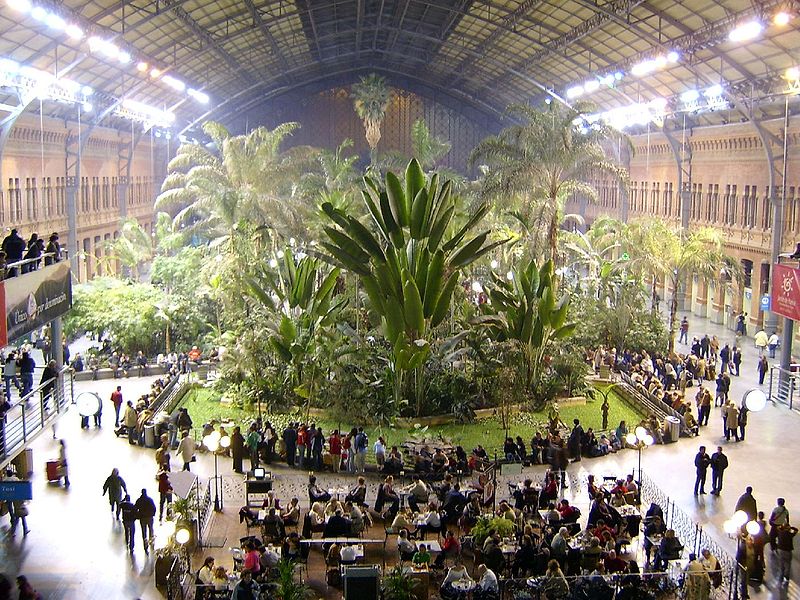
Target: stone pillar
{"x": 701, "y": 300}
{"x": 717, "y": 313}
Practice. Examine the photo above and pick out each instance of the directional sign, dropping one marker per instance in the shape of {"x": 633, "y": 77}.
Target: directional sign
{"x": 765, "y": 303}
{"x": 16, "y": 490}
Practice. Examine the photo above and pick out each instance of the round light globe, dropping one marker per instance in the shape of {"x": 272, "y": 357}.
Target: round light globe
{"x": 755, "y": 400}
{"x": 640, "y": 432}
{"x": 648, "y": 440}
{"x": 739, "y": 517}
{"x": 211, "y": 442}
{"x": 729, "y": 526}
{"x": 752, "y": 527}
{"x": 631, "y": 439}
{"x": 225, "y": 442}
{"x": 182, "y": 536}
{"x": 88, "y": 403}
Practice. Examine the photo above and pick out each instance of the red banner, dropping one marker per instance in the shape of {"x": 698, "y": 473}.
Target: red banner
{"x": 786, "y": 291}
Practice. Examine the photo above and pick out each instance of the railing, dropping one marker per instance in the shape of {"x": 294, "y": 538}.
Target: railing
{"x": 660, "y": 407}
{"x": 180, "y": 585}
{"x": 18, "y": 264}
{"x": 204, "y": 512}
{"x": 782, "y": 385}
{"x": 692, "y": 535}
{"x": 170, "y": 395}
{"x": 33, "y": 413}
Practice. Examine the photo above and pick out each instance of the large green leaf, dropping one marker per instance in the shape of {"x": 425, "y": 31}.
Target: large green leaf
{"x": 363, "y": 236}
{"x": 398, "y": 202}
{"x": 443, "y": 301}
{"x": 419, "y": 211}
{"x": 468, "y": 251}
{"x": 348, "y": 244}
{"x": 433, "y": 283}
{"x": 414, "y": 317}
{"x": 415, "y": 179}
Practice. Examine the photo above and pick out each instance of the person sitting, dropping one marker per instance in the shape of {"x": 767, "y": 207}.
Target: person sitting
{"x": 630, "y": 484}
{"x": 331, "y": 507}
{"x": 456, "y": 573}
{"x": 402, "y": 520}
{"x": 670, "y": 549}
{"x": 274, "y": 526}
{"x": 493, "y": 554}
{"x": 418, "y": 493}
{"x": 569, "y": 513}
{"x": 552, "y": 515}
{"x": 291, "y": 515}
{"x": 559, "y": 545}
{"x": 555, "y": 586}
{"x": 549, "y": 490}
{"x": 470, "y": 514}
{"x": 316, "y": 518}
{"x": 655, "y": 528}
{"x": 431, "y": 522}
{"x": 337, "y": 526}
{"x": 618, "y": 499}
{"x": 510, "y": 450}
{"x": 292, "y": 549}
{"x": 269, "y": 558}
{"x": 486, "y": 489}
{"x": 271, "y": 501}
{"x": 451, "y": 548}
{"x": 422, "y": 461}
{"x": 487, "y": 587}
{"x": 357, "y": 520}
{"x": 592, "y": 554}
{"x": 358, "y": 495}
{"x": 405, "y": 546}
{"x": 504, "y": 511}
{"x": 439, "y": 461}
{"x": 524, "y": 558}
{"x": 387, "y": 495}
{"x": 315, "y": 493}
{"x": 394, "y": 462}
{"x": 444, "y": 488}
{"x": 205, "y": 575}
{"x": 348, "y": 555}
{"x": 422, "y": 556}
{"x": 246, "y": 588}
{"x": 454, "y": 503}
{"x": 614, "y": 564}
{"x": 220, "y": 580}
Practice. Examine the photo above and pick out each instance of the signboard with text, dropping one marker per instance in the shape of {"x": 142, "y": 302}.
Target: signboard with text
{"x": 34, "y": 299}
{"x": 16, "y": 490}
{"x": 785, "y": 297}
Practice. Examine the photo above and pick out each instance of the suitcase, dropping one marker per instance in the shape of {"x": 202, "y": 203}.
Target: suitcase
{"x": 53, "y": 470}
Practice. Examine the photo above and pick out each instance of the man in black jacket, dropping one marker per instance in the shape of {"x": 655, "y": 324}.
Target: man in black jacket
{"x": 290, "y": 440}
{"x": 14, "y": 247}
{"x": 701, "y": 462}
{"x": 719, "y": 462}
{"x": 337, "y": 526}
{"x": 128, "y": 511}
{"x": 146, "y": 511}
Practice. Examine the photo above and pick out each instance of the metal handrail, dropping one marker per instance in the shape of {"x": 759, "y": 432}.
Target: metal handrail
{"x": 27, "y": 418}
{"x": 41, "y": 257}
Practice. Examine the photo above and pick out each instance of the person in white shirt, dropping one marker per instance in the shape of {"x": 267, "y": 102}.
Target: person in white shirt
{"x": 205, "y": 575}
{"x": 458, "y": 572}
{"x": 186, "y": 449}
{"x": 773, "y": 343}
{"x": 431, "y": 521}
{"x": 419, "y": 493}
{"x": 405, "y": 546}
{"x": 347, "y": 555}
{"x": 487, "y": 584}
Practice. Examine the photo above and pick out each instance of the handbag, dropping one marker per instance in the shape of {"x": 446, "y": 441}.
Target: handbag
{"x": 194, "y": 458}
{"x": 23, "y": 511}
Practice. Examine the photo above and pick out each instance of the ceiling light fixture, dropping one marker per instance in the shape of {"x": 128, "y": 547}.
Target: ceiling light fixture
{"x": 74, "y": 32}
{"x": 781, "y": 19}
{"x": 575, "y": 91}
{"x": 20, "y": 5}
{"x": 792, "y": 74}
{"x": 746, "y": 31}
{"x": 201, "y": 97}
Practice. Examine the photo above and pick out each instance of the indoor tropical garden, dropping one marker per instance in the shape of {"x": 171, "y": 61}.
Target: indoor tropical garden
{"x": 396, "y": 294}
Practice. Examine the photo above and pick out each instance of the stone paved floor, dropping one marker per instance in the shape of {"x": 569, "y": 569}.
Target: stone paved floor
{"x": 75, "y": 549}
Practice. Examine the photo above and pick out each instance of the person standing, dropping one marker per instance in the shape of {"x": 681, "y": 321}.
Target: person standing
{"x": 164, "y": 493}
{"x": 26, "y": 367}
{"x": 62, "y": 460}
{"x": 704, "y": 409}
{"x": 114, "y": 485}
{"x": 743, "y": 411}
{"x": 290, "y": 442}
{"x": 48, "y": 383}
{"x": 747, "y": 503}
{"x": 302, "y": 438}
{"x": 317, "y": 447}
{"x": 10, "y": 375}
{"x": 361, "y": 443}
{"x": 575, "y": 440}
{"x": 14, "y": 247}
{"x": 777, "y": 518}
{"x": 763, "y": 369}
{"x": 130, "y": 419}
{"x": 785, "y": 547}
{"x": 604, "y": 411}
{"x": 761, "y": 341}
{"x": 237, "y": 449}
{"x": 701, "y": 462}
{"x": 731, "y": 421}
{"x": 684, "y": 337}
{"x": 116, "y": 400}
{"x": 335, "y": 448}
{"x": 128, "y": 511}
{"x": 736, "y": 358}
{"x": 252, "y": 441}
{"x": 146, "y": 511}
{"x": 724, "y": 358}
{"x": 773, "y": 343}
{"x": 719, "y": 462}
{"x": 186, "y": 449}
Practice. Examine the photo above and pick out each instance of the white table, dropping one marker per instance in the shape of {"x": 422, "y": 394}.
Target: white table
{"x": 432, "y": 546}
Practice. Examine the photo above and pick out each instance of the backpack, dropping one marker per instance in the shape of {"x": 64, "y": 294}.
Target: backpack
{"x": 362, "y": 442}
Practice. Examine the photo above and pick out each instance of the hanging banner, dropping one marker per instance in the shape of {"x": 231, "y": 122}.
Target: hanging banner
{"x": 786, "y": 291}
{"x": 34, "y": 299}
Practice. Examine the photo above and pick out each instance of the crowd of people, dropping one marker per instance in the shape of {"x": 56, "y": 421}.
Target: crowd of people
{"x": 15, "y": 249}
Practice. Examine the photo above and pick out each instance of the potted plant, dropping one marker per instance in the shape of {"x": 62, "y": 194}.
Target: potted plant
{"x": 480, "y": 531}
{"x": 397, "y": 585}
{"x": 287, "y": 587}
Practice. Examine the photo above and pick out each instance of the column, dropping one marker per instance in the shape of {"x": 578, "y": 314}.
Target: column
{"x": 717, "y": 312}
{"x": 701, "y": 299}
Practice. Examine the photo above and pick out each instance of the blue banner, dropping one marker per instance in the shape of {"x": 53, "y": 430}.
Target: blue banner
{"x": 16, "y": 490}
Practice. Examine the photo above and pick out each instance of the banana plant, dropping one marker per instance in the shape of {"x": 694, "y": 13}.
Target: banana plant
{"x": 299, "y": 294}
{"x": 525, "y": 310}
{"x": 409, "y": 262}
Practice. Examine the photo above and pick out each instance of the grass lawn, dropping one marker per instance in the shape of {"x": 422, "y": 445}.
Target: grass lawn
{"x": 203, "y": 406}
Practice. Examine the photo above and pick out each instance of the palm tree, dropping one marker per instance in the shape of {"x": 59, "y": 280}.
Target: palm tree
{"x": 425, "y": 147}
{"x": 132, "y": 248}
{"x": 548, "y": 156}
{"x": 676, "y": 255}
{"x": 370, "y": 100}
{"x": 210, "y": 190}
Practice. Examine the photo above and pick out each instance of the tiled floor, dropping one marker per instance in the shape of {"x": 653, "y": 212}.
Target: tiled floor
{"x": 75, "y": 549}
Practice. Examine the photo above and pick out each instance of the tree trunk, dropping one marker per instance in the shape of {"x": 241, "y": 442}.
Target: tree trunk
{"x": 419, "y": 387}
{"x": 552, "y": 234}
{"x": 673, "y": 312}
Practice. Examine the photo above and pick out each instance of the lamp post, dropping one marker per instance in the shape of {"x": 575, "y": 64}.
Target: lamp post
{"x": 640, "y": 439}
{"x": 213, "y": 441}
{"x": 182, "y": 536}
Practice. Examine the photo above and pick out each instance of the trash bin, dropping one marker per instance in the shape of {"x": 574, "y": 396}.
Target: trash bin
{"x": 673, "y": 428}
{"x": 150, "y": 436}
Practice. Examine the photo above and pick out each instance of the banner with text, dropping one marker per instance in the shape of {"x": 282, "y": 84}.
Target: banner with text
{"x": 786, "y": 291}
{"x": 34, "y": 299}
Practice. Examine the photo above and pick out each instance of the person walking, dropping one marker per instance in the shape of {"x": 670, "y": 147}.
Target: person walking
{"x": 736, "y": 359}
{"x": 62, "y": 461}
{"x": 128, "y": 511}
{"x": 575, "y": 440}
{"x": 731, "y": 413}
{"x": 186, "y": 449}
{"x": 116, "y": 400}
{"x": 684, "y": 337}
{"x": 719, "y": 462}
{"x": 763, "y": 369}
{"x": 130, "y": 420}
{"x": 164, "y": 493}
{"x": 361, "y": 443}
{"x": 26, "y": 367}
{"x": 146, "y": 511}
{"x": 761, "y": 341}
{"x": 743, "y": 412}
{"x": 773, "y": 343}
{"x": 785, "y": 546}
{"x": 237, "y": 449}
{"x": 724, "y": 359}
{"x": 604, "y": 407}
{"x": 747, "y": 504}
{"x": 704, "y": 408}
{"x": 114, "y": 485}
{"x": 10, "y": 375}
{"x": 701, "y": 462}
{"x": 48, "y": 384}
{"x": 777, "y": 518}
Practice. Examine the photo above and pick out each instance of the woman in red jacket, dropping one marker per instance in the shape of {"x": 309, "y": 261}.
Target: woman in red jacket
{"x": 335, "y": 447}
